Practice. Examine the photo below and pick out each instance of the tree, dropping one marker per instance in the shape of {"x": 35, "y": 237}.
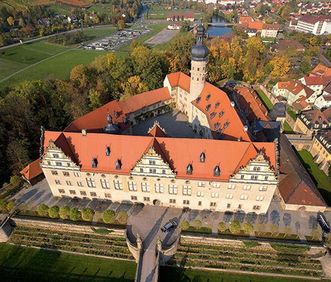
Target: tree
{"x": 53, "y": 212}
{"x": 87, "y": 214}
{"x": 121, "y": 24}
{"x": 185, "y": 225}
{"x": 197, "y": 223}
{"x": 94, "y": 98}
{"x": 133, "y": 86}
{"x": 75, "y": 214}
{"x": 248, "y": 228}
{"x": 221, "y": 227}
{"x": 122, "y": 217}
{"x": 10, "y": 20}
{"x": 108, "y": 216}
{"x": 10, "y": 205}
{"x": 305, "y": 64}
{"x": 280, "y": 66}
{"x": 42, "y": 210}
{"x": 64, "y": 212}
{"x": 235, "y": 227}
{"x": 78, "y": 76}
{"x": 3, "y": 205}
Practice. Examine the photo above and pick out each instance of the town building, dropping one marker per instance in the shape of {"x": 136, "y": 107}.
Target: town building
{"x": 180, "y": 17}
{"x": 98, "y": 157}
{"x": 324, "y": 101}
{"x": 321, "y": 150}
{"x": 270, "y": 30}
{"x": 314, "y": 24}
{"x": 293, "y": 91}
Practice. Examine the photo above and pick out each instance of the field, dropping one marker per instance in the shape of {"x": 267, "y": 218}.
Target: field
{"x": 159, "y": 12}
{"x": 40, "y": 59}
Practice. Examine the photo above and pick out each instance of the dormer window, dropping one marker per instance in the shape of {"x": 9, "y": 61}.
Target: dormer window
{"x": 189, "y": 169}
{"x": 217, "y": 105}
{"x": 202, "y": 157}
{"x": 107, "y": 151}
{"x": 118, "y": 164}
{"x": 208, "y": 107}
{"x": 208, "y": 97}
{"x": 226, "y": 124}
{"x": 212, "y": 115}
{"x": 94, "y": 162}
{"x": 216, "y": 125}
{"x": 217, "y": 171}
{"x": 198, "y": 99}
{"x": 221, "y": 113}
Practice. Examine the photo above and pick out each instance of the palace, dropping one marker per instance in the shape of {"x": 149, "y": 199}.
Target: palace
{"x": 226, "y": 169}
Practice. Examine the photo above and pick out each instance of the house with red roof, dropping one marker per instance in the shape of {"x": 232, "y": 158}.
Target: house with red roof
{"x": 292, "y": 91}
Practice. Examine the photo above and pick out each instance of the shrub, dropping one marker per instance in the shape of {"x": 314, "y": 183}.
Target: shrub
{"x": 10, "y": 205}
{"x": 108, "y": 216}
{"x": 235, "y": 227}
{"x": 53, "y": 212}
{"x": 185, "y": 225}
{"x": 3, "y": 205}
{"x": 197, "y": 224}
{"x": 42, "y": 210}
{"x": 221, "y": 227}
{"x": 64, "y": 212}
{"x": 248, "y": 228}
{"x": 122, "y": 217}
{"x": 87, "y": 214}
{"x": 15, "y": 180}
{"x": 75, "y": 214}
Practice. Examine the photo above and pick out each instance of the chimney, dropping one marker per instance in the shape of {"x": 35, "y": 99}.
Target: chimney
{"x": 84, "y": 133}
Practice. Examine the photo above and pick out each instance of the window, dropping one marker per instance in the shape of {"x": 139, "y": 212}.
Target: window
{"x": 164, "y": 171}
{"x": 145, "y": 187}
{"x": 228, "y": 206}
{"x": 72, "y": 192}
{"x": 260, "y": 198}
{"x": 83, "y": 193}
{"x": 231, "y": 186}
{"x": 266, "y": 178}
{"x": 201, "y": 184}
{"x": 187, "y": 190}
{"x": 90, "y": 182}
{"x": 54, "y": 172}
{"x": 58, "y": 163}
{"x": 79, "y": 184}
{"x": 172, "y": 201}
{"x": 77, "y": 174}
{"x": 214, "y": 194}
{"x": 199, "y": 203}
{"x": 118, "y": 185}
{"x": 68, "y": 183}
{"x": 216, "y": 185}
{"x": 132, "y": 186}
{"x": 141, "y": 169}
{"x": 243, "y": 197}
{"x": 200, "y": 194}
{"x": 134, "y": 198}
{"x": 152, "y": 170}
{"x": 159, "y": 188}
{"x": 254, "y": 177}
{"x": 58, "y": 182}
{"x": 56, "y": 156}
{"x": 239, "y": 206}
{"x": 255, "y": 207}
{"x": 65, "y": 173}
{"x": 152, "y": 162}
{"x": 247, "y": 187}
{"x": 173, "y": 189}
{"x": 61, "y": 191}
{"x": 108, "y": 195}
{"x": 242, "y": 176}
{"x": 186, "y": 202}
{"x": 146, "y": 199}
{"x": 104, "y": 183}
{"x": 263, "y": 188}
{"x": 213, "y": 204}
{"x": 228, "y": 196}
{"x": 256, "y": 168}
{"x": 93, "y": 194}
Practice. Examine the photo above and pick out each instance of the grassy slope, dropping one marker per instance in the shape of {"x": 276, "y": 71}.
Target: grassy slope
{"x": 32, "y": 264}
{"x": 265, "y": 99}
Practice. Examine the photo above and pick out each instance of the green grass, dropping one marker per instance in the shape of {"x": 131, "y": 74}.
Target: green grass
{"x": 178, "y": 274}
{"x": 322, "y": 181}
{"x": 287, "y": 128}
{"x": 291, "y": 113}
{"x": 29, "y": 264}
{"x": 264, "y": 99}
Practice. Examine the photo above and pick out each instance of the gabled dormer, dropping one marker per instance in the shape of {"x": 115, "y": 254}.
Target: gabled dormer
{"x": 153, "y": 163}
{"x": 257, "y": 170}
{"x": 54, "y": 157}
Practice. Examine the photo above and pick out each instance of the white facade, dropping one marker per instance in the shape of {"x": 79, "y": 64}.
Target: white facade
{"x": 317, "y": 28}
{"x": 272, "y": 33}
{"x": 323, "y": 101}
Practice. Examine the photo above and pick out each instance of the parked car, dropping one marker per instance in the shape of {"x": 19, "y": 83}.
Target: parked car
{"x": 169, "y": 225}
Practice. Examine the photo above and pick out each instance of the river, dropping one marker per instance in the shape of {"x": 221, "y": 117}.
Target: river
{"x": 217, "y": 31}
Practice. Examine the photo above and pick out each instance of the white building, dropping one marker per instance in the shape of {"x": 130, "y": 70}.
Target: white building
{"x": 324, "y": 101}
{"x": 314, "y": 24}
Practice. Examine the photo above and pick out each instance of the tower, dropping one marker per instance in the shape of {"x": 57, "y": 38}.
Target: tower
{"x": 199, "y": 60}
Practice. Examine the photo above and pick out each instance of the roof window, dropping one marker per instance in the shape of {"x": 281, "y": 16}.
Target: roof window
{"x": 198, "y": 99}
{"x": 202, "y": 157}
{"x": 208, "y": 97}
{"x": 217, "y": 171}
{"x": 212, "y": 115}
{"x": 107, "y": 151}
{"x": 189, "y": 169}
{"x": 221, "y": 113}
{"x": 208, "y": 107}
{"x": 217, "y": 105}
{"x": 94, "y": 162}
{"x": 216, "y": 125}
{"x": 118, "y": 164}
{"x": 226, "y": 124}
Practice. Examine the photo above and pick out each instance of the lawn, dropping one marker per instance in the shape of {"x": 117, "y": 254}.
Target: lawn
{"x": 265, "y": 99}
{"x": 178, "y": 274}
{"x": 322, "y": 180}
{"x": 159, "y": 12}
{"x": 287, "y": 128}
{"x": 29, "y": 264}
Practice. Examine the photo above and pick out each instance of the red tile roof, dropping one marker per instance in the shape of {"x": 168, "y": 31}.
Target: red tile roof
{"x": 179, "y": 79}
{"x": 32, "y": 170}
{"x": 156, "y": 131}
{"x": 321, "y": 70}
{"x": 179, "y": 152}
{"x": 271, "y": 26}
{"x": 245, "y": 20}
{"x": 295, "y": 87}
{"x": 300, "y": 104}
{"x": 256, "y": 25}
{"x": 314, "y": 19}
{"x": 317, "y": 80}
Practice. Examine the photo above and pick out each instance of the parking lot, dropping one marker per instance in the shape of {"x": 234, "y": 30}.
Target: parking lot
{"x": 162, "y": 37}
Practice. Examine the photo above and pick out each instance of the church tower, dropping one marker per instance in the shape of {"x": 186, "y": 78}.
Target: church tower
{"x": 199, "y": 60}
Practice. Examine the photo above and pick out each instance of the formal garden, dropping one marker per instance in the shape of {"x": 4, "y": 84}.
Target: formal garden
{"x": 249, "y": 256}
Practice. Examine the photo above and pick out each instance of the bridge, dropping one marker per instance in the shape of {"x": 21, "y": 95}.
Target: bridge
{"x": 221, "y": 24}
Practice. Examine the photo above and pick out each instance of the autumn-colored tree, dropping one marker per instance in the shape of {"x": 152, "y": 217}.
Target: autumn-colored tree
{"x": 10, "y": 20}
{"x": 94, "y": 99}
{"x": 280, "y": 66}
{"x": 133, "y": 86}
{"x": 121, "y": 24}
{"x": 78, "y": 76}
